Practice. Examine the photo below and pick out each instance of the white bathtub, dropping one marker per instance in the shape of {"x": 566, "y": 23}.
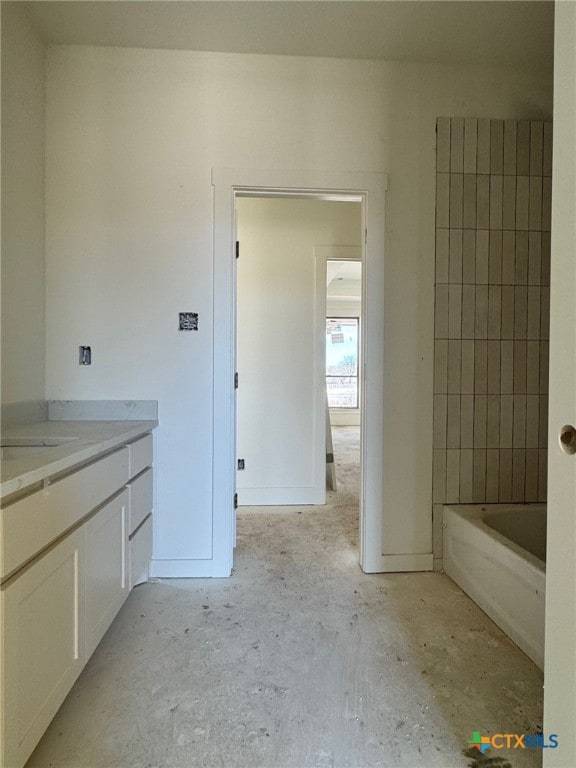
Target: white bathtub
{"x": 496, "y": 553}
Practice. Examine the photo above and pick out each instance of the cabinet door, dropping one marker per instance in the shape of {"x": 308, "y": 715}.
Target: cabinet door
{"x": 106, "y": 568}
{"x": 43, "y": 645}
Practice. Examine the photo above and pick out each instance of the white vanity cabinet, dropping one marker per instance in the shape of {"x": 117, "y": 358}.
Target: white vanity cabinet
{"x": 69, "y": 554}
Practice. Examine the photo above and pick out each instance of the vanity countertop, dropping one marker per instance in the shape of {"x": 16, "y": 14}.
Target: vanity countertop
{"x": 81, "y": 441}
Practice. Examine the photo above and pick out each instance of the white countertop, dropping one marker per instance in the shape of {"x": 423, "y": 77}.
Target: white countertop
{"x": 90, "y": 439}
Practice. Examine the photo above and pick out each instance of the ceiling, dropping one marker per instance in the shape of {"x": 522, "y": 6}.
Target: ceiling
{"x": 500, "y": 32}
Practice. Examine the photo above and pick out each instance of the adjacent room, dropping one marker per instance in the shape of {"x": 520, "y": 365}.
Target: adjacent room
{"x": 287, "y": 381}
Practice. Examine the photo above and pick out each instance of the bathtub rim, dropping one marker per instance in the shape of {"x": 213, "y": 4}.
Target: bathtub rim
{"x": 474, "y": 514}
{"x": 521, "y": 591}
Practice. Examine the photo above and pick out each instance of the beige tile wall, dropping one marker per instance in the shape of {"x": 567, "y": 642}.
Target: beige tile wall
{"x": 492, "y": 311}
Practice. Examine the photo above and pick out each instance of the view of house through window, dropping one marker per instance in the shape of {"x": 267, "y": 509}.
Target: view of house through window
{"x": 342, "y": 361}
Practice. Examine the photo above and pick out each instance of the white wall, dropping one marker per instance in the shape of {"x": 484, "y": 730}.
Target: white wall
{"x": 277, "y": 413}
{"x": 23, "y": 130}
{"x": 132, "y": 137}
{"x": 335, "y": 308}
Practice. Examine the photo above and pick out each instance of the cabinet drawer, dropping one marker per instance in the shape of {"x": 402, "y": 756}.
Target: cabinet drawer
{"x": 29, "y": 525}
{"x": 140, "y": 553}
{"x": 140, "y": 455}
{"x": 140, "y": 499}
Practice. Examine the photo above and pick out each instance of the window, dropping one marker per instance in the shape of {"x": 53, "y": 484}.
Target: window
{"x": 342, "y": 361}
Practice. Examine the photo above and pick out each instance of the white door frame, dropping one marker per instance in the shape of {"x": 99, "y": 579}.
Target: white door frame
{"x": 371, "y": 189}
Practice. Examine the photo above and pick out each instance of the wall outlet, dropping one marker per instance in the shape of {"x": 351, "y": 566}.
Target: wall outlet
{"x": 188, "y": 321}
{"x": 241, "y": 464}
{"x": 85, "y": 355}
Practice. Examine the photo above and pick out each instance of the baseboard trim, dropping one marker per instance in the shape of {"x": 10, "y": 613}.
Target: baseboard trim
{"x": 277, "y": 497}
{"x": 187, "y": 569}
{"x": 406, "y": 563}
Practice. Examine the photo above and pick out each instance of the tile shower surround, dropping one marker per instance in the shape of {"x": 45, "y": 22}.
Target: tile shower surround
{"x": 492, "y": 293}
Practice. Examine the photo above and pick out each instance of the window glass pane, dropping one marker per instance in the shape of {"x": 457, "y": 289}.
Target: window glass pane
{"x": 342, "y": 362}
{"x": 342, "y": 391}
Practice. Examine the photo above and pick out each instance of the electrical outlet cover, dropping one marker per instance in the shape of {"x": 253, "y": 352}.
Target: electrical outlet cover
{"x": 188, "y": 321}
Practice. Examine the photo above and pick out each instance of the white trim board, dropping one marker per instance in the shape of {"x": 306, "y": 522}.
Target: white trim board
{"x": 184, "y": 568}
{"x": 283, "y": 496}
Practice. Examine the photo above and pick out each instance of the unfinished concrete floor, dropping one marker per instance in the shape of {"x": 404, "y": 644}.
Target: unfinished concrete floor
{"x": 298, "y": 660}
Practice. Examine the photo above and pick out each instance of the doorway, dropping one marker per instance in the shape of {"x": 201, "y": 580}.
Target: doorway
{"x": 369, "y": 190}
{"x": 343, "y": 352}
{"x": 281, "y": 309}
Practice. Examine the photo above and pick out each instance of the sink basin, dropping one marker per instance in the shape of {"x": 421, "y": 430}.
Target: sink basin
{"x": 22, "y": 447}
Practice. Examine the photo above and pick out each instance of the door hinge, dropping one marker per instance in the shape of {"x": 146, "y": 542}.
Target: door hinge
{"x": 236, "y": 380}
{"x": 365, "y": 235}
{"x": 237, "y": 249}
{"x": 235, "y": 501}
